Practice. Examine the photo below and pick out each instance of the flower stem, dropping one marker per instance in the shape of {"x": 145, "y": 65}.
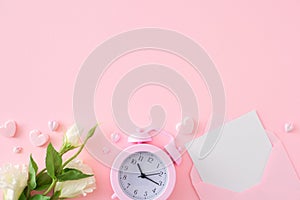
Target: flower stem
{"x": 74, "y": 156}
{"x": 78, "y": 152}
{"x": 50, "y": 187}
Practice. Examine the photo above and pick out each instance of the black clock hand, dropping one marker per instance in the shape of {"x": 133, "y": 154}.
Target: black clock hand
{"x": 150, "y": 180}
{"x": 142, "y": 174}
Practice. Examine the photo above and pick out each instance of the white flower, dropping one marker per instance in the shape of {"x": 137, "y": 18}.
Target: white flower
{"x": 13, "y": 180}
{"x": 70, "y": 189}
{"x": 72, "y": 137}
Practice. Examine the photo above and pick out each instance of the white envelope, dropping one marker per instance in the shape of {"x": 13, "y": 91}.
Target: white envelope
{"x": 280, "y": 181}
{"x": 237, "y": 161}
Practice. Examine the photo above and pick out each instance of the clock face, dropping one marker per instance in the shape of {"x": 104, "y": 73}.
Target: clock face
{"x": 143, "y": 175}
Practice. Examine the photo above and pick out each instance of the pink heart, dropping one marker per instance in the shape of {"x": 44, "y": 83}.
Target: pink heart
{"x": 186, "y": 126}
{"x": 115, "y": 137}
{"x": 37, "y": 138}
{"x": 9, "y": 129}
{"x": 17, "y": 149}
{"x": 53, "y": 125}
{"x": 288, "y": 127}
{"x": 105, "y": 150}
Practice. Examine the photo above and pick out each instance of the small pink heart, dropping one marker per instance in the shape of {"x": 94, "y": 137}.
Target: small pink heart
{"x": 186, "y": 126}
{"x": 105, "y": 150}
{"x": 37, "y": 138}
{"x": 17, "y": 149}
{"x": 288, "y": 127}
{"x": 9, "y": 129}
{"x": 115, "y": 137}
{"x": 53, "y": 125}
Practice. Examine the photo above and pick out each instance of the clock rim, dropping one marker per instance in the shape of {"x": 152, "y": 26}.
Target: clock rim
{"x": 148, "y": 148}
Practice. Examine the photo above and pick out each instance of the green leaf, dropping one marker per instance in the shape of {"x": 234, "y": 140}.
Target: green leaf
{"x": 56, "y": 195}
{"x": 40, "y": 197}
{"x": 72, "y": 174}
{"x": 33, "y": 168}
{"x": 53, "y": 162}
{"x": 91, "y": 132}
{"x": 43, "y": 182}
{"x": 22, "y": 196}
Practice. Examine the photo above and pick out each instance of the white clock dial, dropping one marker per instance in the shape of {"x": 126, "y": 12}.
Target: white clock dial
{"x": 143, "y": 175}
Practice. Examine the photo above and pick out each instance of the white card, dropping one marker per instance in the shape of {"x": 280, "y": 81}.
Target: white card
{"x": 238, "y": 160}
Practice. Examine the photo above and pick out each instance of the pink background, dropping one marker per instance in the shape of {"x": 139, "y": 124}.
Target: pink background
{"x": 254, "y": 44}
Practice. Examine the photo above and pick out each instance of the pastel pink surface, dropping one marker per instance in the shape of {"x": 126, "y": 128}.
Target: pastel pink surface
{"x": 280, "y": 181}
{"x": 254, "y": 44}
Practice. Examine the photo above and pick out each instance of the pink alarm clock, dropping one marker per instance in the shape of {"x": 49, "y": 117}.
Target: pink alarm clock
{"x": 144, "y": 171}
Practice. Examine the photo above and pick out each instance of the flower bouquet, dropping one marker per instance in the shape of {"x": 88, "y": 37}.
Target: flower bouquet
{"x": 59, "y": 180}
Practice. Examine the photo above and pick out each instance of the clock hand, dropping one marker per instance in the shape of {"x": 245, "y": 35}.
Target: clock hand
{"x": 150, "y": 180}
{"x": 142, "y": 174}
{"x": 151, "y": 174}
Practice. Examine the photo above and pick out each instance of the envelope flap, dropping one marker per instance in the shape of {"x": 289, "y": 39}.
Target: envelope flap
{"x": 238, "y": 160}
{"x": 280, "y": 180}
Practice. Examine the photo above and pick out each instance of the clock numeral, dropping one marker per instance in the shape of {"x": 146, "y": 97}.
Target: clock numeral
{"x": 161, "y": 173}
{"x": 128, "y": 185}
{"x": 124, "y": 177}
{"x": 133, "y": 161}
{"x": 150, "y": 160}
{"x": 135, "y": 192}
{"x": 160, "y": 183}
{"x": 141, "y": 158}
{"x": 158, "y": 165}
{"x": 154, "y": 190}
{"x": 146, "y": 193}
